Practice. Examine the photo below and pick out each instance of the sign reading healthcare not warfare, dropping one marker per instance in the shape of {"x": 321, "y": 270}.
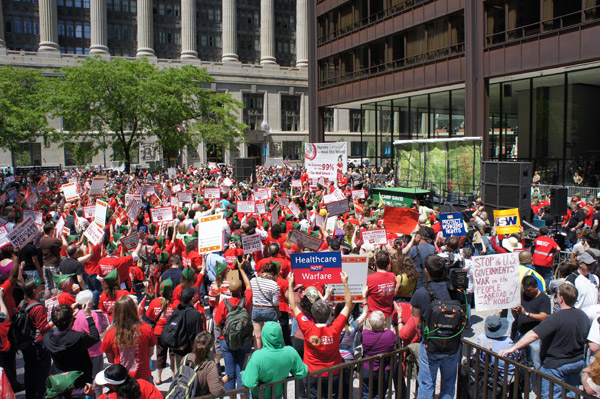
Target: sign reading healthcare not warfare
{"x": 357, "y": 269}
{"x": 328, "y": 160}
{"x": 317, "y": 267}
{"x": 453, "y": 224}
{"x": 496, "y": 281}
{"x": 507, "y": 221}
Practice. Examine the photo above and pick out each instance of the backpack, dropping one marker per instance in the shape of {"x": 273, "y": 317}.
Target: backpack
{"x": 185, "y": 382}
{"x": 22, "y": 332}
{"x": 174, "y": 334}
{"x": 238, "y": 326}
{"x": 443, "y": 324}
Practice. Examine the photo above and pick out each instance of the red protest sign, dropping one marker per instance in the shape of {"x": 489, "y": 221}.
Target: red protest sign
{"x": 400, "y": 220}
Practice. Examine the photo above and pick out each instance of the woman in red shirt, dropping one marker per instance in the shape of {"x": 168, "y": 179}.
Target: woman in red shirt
{"x": 159, "y": 310}
{"x": 111, "y": 294}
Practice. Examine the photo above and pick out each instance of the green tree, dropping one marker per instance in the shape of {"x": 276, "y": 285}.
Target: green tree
{"x": 120, "y": 103}
{"x": 22, "y": 111}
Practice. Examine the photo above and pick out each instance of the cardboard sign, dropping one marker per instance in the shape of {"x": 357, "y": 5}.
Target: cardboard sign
{"x": 132, "y": 211}
{"x": 184, "y": 197}
{"x": 375, "y": 237}
{"x": 94, "y": 233}
{"x": 130, "y": 242}
{"x": 59, "y": 226}
{"x": 336, "y": 195}
{"x": 317, "y": 267}
{"x": 338, "y": 208}
{"x": 119, "y": 215}
{"x": 400, "y": 220}
{"x": 89, "y": 211}
{"x": 251, "y": 243}
{"x": 70, "y": 191}
{"x": 296, "y": 183}
{"x": 246, "y": 206}
{"x": 12, "y": 193}
{"x": 210, "y": 233}
{"x": 37, "y": 216}
{"x": 294, "y": 208}
{"x": 24, "y": 233}
{"x": 357, "y": 269}
{"x": 100, "y": 214}
{"x": 161, "y": 215}
{"x": 284, "y": 201}
{"x": 4, "y": 239}
{"x": 275, "y": 215}
{"x": 212, "y": 193}
{"x": 261, "y": 208}
{"x": 358, "y": 194}
{"x": 31, "y": 198}
{"x": 453, "y": 224}
{"x": 507, "y": 221}
{"x": 97, "y": 185}
{"x": 306, "y": 240}
{"x": 496, "y": 281}
{"x": 261, "y": 194}
{"x": 138, "y": 198}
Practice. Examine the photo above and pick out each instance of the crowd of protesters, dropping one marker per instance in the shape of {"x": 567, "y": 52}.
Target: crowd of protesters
{"x": 89, "y": 302}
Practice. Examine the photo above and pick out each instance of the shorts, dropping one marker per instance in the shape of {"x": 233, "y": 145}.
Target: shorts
{"x": 217, "y": 334}
{"x": 264, "y": 314}
{"x": 31, "y": 275}
{"x": 48, "y": 272}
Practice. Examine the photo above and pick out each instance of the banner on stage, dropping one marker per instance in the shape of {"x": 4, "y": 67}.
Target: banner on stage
{"x": 327, "y": 160}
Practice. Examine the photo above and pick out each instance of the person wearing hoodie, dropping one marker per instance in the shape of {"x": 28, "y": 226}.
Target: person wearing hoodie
{"x": 274, "y": 362}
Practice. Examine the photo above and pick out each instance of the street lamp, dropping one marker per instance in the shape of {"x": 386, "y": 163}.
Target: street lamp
{"x": 266, "y": 131}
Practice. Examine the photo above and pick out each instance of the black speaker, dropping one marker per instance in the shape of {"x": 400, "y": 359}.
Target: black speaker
{"x": 507, "y": 185}
{"x": 244, "y": 169}
{"x": 558, "y": 201}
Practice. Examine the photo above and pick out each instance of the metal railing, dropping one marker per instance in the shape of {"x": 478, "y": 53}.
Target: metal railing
{"x": 572, "y": 190}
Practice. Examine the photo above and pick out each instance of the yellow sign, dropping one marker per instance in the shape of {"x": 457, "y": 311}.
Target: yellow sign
{"x": 507, "y": 221}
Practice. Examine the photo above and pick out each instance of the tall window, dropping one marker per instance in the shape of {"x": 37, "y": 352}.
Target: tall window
{"x": 355, "y": 120}
{"x": 28, "y": 154}
{"x": 253, "y": 110}
{"x": 292, "y": 149}
{"x": 328, "y": 119}
{"x": 70, "y": 159}
{"x": 290, "y": 113}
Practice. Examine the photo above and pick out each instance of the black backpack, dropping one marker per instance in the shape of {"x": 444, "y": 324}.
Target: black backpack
{"x": 174, "y": 334}
{"x": 457, "y": 276}
{"x": 444, "y": 323}
{"x": 238, "y": 326}
{"x": 22, "y": 332}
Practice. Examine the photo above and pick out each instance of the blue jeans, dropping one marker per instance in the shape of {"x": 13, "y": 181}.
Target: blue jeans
{"x": 375, "y": 392}
{"x": 569, "y": 373}
{"x": 234, "y": 363}
{"x": 95, "y": 286}
{"x": 314, "y": 386}
{"x": 264, "y": 314}
{"x": 429, "y": 364}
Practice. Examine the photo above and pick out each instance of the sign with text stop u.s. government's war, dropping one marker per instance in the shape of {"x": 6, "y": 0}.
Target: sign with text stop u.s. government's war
{"x": 496, "y": 281}
{"x": 328, "y": 160}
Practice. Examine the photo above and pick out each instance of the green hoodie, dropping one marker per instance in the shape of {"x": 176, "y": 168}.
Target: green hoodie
{"x": 274, "y": 362}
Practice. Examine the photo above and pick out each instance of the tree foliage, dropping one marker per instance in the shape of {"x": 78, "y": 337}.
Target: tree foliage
{"x": 22, "y": 106}
{"x": 122, "y": 101}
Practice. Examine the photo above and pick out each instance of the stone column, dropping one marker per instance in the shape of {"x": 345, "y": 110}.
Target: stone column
{"x": 48, "y": 26}
{"x": 301, "y": 34}
{"x": 145, "y": 37}
{"x": 98, "y": 38}
{"x": 188, "y": 30}
{"x": 229, "y": 31}
{"x": 2, "y": 41}
{"x": 267, "y": 33}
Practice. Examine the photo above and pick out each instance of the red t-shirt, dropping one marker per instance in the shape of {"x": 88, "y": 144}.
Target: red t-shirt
{"x": 148, "y": 391}
{"x": 284, "y": 270}
{"x": 179, "y": 288}
{"x": 122, "y": 264}
{"x": 153, "y": 312}
{"x": 135, "y": 358}
{"x": 9, "y": 299}
{"x": 192, "y": 259}
{"x": 91, "y": 266}
{"x": 107, "y": 305}
{"x": 283, "y": 287}
{"x": 231, "y": 255}
{"x": 66, "y": 298}
{"x": 382, "y": 287}
{"x": 321, "y": 342}
{"x": 221, "y": 309}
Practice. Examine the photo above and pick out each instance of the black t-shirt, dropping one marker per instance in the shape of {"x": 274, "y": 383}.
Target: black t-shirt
{"x": 537, "y": 305}
{"x": 28, "y": 252}
{"x": 71, "y": 265}
{"x": 563, "y": 336}
{"x": 576, "y": 218}
{"x": 549, "y": 219}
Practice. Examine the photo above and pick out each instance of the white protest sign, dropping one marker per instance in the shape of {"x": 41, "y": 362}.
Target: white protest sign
{"x": 176, "y": 188}
{"x": 97, "y": 185}
{"x": 251, "y": 243}
{"x": 37, "y": 216}
{"x": 375, "y": 237}
{"x": 130, "y": 242}
{"x": 128, "y": 199}
{"x": 227, "y": 182}
{"x": 284, "y": 201}
{"x": 496, "y": 281}
{"x": 132, "y": 211}
{"x": 336, "y": 195}
{"x": 358, "y": 194}
{"x": 172, "y": 173}
{"x": 246, "y": 206}
{"x": 59, "y": 226}
{"x": 94, "y": 233}
{"x": 305, "y": 240}
{"x": 261, "y": 194}
{"x": 210, "y": 233}
{"x": 319, "y": 220}
{"x": 4, "y": 240}
{"x": 331, "y": 223}
{"x": 24, "y": 233}
{"x": 328, "y": 160}
{"x": 89, "y": 211}
{"x": 261, "y": 208}
{"x": 296, "y": 183}
{"x": 31, "y": 198}
{"x": 338, "y": 208}
{"x": 100, "y": 213}
{"x": 138, "y": 198}
{"x": 294, "y": 208}
{"x": 161, "y": 215}
{"x": 184, "y": 196}
{"x": 357, "y": 268}
{"x": 148, "y": 190}
{"x": 70, "y": 191}
{"x": 212, "y": 193}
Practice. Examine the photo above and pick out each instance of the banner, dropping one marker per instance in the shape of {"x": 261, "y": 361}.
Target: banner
{"x": 24, "y": 233}
{"x": 100, "y": 214}
{"x": 400, "y": 220}
{"x": 94, "y": 233}
{"x": 210, "y": 233}
{"x": 161, "y": 215}
{"x": 305, "y": 240}
{"x": 245, "y": 206}
{"x": 184, "y": 197}
{"x": 317, "y": 267}
{"x": 89, "y": 211}
{"x": 132, "y": 211}
{"x": 453, "y": 224}
{"x": 37, "y": 216}
{"x": 358, "y": 194}
{"x": 261, "y": 208}
{"x": 496, "y": 281}
{"x": 375, "y": 237}
{"x": 251, "y": 243}
{"x": 338, "y": 208}
{"x": 212, "y": 193}
{"x": 130, "y": 242}
{"x": 70, "y": 191}
{"x": 326, "y": 160}
{"x": 507, "y": 221}
{"x": 294, "y": 208}
{"x": 97, "y": 185}
{"x": 357, "y": 269}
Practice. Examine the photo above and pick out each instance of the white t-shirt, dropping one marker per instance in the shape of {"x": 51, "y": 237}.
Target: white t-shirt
{"x": 594, "y": 334}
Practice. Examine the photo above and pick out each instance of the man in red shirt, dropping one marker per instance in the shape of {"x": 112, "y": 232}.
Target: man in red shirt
{"x": 381, "y": 287}
{"x": 544, "y": 248}
{"x": 322, "y": 341}
{"x": 121, "y": 263}
{"x": 274, "y": 256}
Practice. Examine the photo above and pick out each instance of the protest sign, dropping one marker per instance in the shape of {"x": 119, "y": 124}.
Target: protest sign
{"x": 400, "y": 220}
{"x": 184, "y": 197}
{"x": 130, "y": 242}
{"x": 323, "y": 182}
{"x": 147, "y": 189}
{"x": 336, "y": 195}
{"x": 176, "y": 188}
{"x": 331, "y": 224}
{"x": 245, "y": 206}
{"x": 161, "y": 215}
{"x": 100, "y": 214}
{"x": 128, "y": 199}
{"x": 31, "y": 198}
{"x": 453, "y": 224}
{"x": 284, "y": 201}
{"x": 261, "y": 208}
{"x": 294, "y": 208}
{"x": 174, "y": 202}
{"x": 3, "y": 221}
{"x": 496, "y": 281}
{"x": 38, "y": 217}
{"x": 227, "y": 182}
{"x": 66, "y": 231}
{"x": 210, "y": 233}
{"x": 4, "y": 239}
{"x": 24, "y": 233}
{"x": 296, "y": 183}
{"x": 172, "y": 173}
{"x": 59, "y": 226}
{"x": 357, "y": 268}
{"x": 358, "y": 194}
{"x": 212, "y": 193}
{"x": 97, "y": 185}
{"x": 275, "y": 214}
{"x": 328, "y": 160}
{"x": 132, "y": 211}
{"x": 375, "y": 237}
{"x": 507, "y": 221}
{"x": 305, "y": 240}
{"x": 251, "y": 243}
{"x": 89, "y": 211}
{"x": 138, "y": 198}
{"x": 261, "y": 194}
{"x": 70, "y": 191}
{"x": 120, "y": 215}
{"x": 319, "y": 220}
{"x": 338, "y": 208}
{"x": 94, "y": 233}
{"x": 317, "y": 267}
